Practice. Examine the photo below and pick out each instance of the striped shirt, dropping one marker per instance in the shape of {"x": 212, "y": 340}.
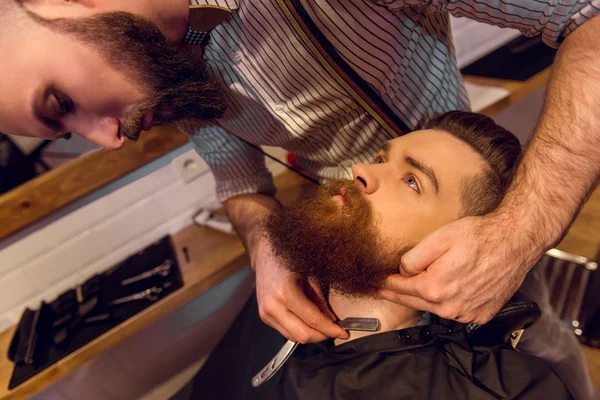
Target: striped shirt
{"x": 279, "y": 95}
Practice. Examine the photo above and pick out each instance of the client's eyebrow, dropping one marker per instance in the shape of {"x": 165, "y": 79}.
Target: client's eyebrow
{"x": 425, "y": 169}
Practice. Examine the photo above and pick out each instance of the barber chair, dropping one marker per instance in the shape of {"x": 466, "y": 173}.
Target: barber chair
{"x": 573, "y": 286}
{"x": 518, "y": 314}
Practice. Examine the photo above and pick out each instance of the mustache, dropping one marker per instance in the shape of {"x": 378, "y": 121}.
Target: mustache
{"x": 131, "y": 127}
{"x": 339, "y": 246}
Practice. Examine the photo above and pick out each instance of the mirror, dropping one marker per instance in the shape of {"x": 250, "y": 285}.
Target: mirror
{"x": 38, "y": 177}
{"x": 25, "y": 158}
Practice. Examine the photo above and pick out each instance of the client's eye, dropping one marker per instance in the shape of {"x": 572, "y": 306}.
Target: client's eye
{"x": 411, "y": 180}
{"x": 378, "y": 160}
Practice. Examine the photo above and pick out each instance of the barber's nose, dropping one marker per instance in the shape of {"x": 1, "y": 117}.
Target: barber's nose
{"x": 365, "y": 177}
{"x": 104, "y": 131}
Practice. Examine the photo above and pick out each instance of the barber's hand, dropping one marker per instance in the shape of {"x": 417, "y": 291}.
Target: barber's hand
{"x": 465, "y": 271}
{"x": 289, "y": 303}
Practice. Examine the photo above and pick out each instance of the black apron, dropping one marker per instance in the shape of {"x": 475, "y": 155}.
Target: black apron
{"x": 425, "y": 362}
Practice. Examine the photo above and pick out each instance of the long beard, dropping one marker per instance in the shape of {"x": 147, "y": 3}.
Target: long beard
{"x": 339, "y": 246}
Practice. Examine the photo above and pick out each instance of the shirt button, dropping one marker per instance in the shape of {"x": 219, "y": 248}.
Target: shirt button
{"x": 279, "y": 108}
{"x": 237, "y": 57}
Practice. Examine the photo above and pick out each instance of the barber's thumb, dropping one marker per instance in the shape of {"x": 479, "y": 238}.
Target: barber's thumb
{"x": 425, "y": 253}
{"x": 315, "y": 294}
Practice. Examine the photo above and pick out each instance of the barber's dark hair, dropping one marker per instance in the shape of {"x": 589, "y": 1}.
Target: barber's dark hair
{"x": 498, "y": 147}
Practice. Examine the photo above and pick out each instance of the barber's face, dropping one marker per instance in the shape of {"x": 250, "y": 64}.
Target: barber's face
{"x": 415, "y": 184}
{"x": 52, "y": 84}
{"x": 110, "y": 80}
{"x": 350, "y": 235}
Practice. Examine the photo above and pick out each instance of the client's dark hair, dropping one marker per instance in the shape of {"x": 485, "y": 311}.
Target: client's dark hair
{"x": 500, "y": 148}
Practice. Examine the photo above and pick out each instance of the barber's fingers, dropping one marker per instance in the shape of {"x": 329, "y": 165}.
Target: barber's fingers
{"x": 430, "y": 285}
{"x": 409, "y": 301}
{"x": 289, "y": 325}
{"x": 420, "y": 257}
{"x": 409, "y": 285}
{"x": 299, "y": 331}
{"x": 310, "y": 314}
{"x": 315, "y": 294}
{"x": 278, "y": 327}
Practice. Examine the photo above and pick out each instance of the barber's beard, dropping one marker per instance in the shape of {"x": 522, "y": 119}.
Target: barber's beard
{"x": 175, "y": 78}
{"x": 339, "y": 246}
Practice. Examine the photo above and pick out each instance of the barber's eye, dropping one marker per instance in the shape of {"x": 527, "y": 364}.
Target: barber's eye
{"x": 64, "y": 106}
{"x": 378, "y": 160}
{"x": 411, "y": 180}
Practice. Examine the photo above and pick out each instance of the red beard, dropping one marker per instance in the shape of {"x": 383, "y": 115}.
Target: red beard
{"x": 337, "y": 245}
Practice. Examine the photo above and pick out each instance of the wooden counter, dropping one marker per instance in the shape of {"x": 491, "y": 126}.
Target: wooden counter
{"x": 214, "y": 256}
{"x": 517, "y": 89}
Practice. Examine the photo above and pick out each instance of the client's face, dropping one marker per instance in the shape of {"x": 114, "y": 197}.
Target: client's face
{"x": 350, "y": 235}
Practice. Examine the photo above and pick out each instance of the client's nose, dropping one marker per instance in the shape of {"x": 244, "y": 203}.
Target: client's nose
{"x": 365, "y": 178}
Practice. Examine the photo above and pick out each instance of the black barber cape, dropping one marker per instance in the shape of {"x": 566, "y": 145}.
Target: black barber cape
{"x": 424, "y": 362}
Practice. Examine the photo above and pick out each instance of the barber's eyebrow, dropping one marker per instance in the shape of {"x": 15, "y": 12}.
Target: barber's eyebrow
{"x": 425, "y": 169}
{"x": 386, "y": 147}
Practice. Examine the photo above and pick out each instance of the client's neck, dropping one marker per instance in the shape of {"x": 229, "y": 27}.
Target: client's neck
{"x": 391, "y": 316}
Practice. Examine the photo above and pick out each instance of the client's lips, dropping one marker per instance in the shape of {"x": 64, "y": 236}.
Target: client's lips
{"x": 339, "y": 198}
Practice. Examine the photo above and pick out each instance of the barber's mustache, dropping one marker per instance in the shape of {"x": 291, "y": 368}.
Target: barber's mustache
{"x": 133, "y": 125}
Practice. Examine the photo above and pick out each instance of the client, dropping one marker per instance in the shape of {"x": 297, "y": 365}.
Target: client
{"x": 350, "y": 236}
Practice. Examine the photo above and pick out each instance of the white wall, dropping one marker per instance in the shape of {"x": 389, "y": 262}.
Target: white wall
{"x": 96, "y": 236}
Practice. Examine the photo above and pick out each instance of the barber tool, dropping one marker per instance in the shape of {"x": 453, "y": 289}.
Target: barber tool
{"x": 349, "y": 324}
{"x": 33, "y": 338}
{"x": 162, "y": 270}
{"x": 98, "y": 318}
{"x": 73, "y": 315}
{"x": 150, "y": 294}
{"x": 360, "y": 324}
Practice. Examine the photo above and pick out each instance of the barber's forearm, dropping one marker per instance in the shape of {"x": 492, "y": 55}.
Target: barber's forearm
{"x": 562, "y": 162}
{"x": 247, "y": 213}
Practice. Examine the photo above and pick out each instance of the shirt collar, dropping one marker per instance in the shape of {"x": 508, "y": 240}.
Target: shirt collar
{"x": 206, "y": 15}
{"x": 229, "y": 4}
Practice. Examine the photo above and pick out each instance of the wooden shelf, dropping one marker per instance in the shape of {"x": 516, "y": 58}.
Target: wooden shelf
{"x": 59, "y": 187}
{"x": 517, "y": 89}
